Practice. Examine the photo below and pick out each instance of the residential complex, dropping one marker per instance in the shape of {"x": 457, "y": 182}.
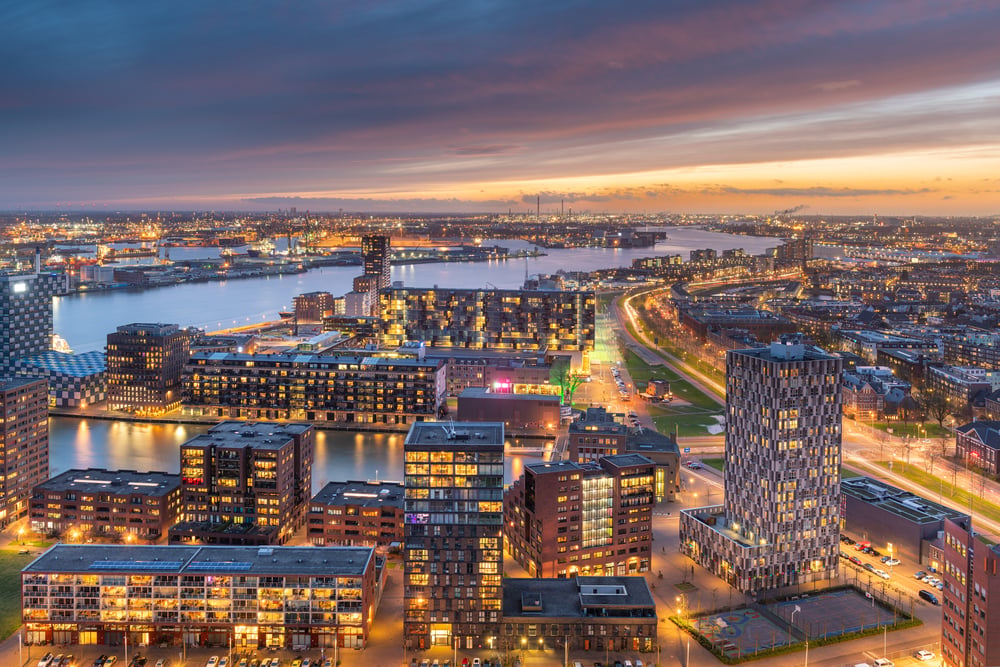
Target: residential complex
{"x": 970, "y": 598}
{"x": 145, "y": 364}
{"x": 246, "y": 597}
{"x": 357, "y": 514}
{"x": 245, "y": 483}
{"x": 563, "y": 519}
{"x": 123, "y": 504}
{"x": 779, "y": 524}
{"x": 453, "y": 549}
{"x": 24, "y": 444}
{"x": 25, "y": 315}
{"x": 75, "y": 380}
{"x": 341, "y": 388}
{"x": 489, "y": 318}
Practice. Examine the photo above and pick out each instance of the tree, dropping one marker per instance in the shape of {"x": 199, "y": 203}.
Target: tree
{"x": 937, "y": 407}
{"x": 560, "y": 376}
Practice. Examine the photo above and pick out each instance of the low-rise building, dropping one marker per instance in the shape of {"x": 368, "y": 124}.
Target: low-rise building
{"x": 563, "y": 518}
{"x": 977, "y": 445}
{"x": 895, "y": 521}
{"x": 515, "y": 410}
{"x": 244, "y": 597}
{"x": 580, "y": 613}
{"x": 125, "y": 504}
{"x": 357, "y": 514}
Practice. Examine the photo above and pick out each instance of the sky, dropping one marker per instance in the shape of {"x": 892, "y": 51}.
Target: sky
{"x": 682, "y": 106}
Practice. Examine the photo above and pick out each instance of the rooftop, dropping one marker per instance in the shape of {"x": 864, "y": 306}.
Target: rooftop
{"x": 572, "y": 598}
{"x": 483, "y": 392}
{"x": 75, "y": 365}
{"x": 243, "y": 561}
{"x": 117, "y": 482}
{"x": 261, "y": 435}
{"x": 450, "y": 434}
{"x": 903, "y": 504}
{"x": 362, "y": 494}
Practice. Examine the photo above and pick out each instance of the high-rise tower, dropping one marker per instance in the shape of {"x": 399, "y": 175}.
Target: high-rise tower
{"x": 25, "y": 316}
{"x": 375, "y": 251}
{"x": 453, "y": 561}
{"x": 779, "y": 523}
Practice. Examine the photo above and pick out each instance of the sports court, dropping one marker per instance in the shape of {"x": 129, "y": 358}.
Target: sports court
{"x": 833, "y": 613}
{"x": 742, "y": 632}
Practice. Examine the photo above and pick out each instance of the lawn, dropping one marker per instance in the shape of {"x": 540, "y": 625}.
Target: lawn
{"x": 687, "y": 425}
{"x": 11, "y": 563}
{"x": 957, "y": 492}
{"x": 718, "y": 464}
{"x": 912, "y": 429}
{"x": 642, "y": 373}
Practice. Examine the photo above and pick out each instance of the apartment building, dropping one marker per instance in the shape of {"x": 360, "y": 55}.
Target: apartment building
{"x": 24, "y": 444}
{"x": 356, "y": 513}
{"x": 145, "y": 364}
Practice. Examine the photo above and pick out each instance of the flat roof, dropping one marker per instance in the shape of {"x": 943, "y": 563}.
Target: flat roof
{"x": 901, "y": 503}
{"x": 260, "y": 435}
{"x": 191, "y": 560}
{"x": 6, "y": 384}
{"x": 118, "y": 482}
{"x": 649, "y": 440}
{"x": 483, "y": 392}
{"x": 362, "y": 494}
{"x": 454, "y": 434}
{"x": 570, "y": 598}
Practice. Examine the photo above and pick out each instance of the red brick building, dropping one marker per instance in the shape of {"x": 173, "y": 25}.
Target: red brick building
{"x": 353, "y": 513}
{"x": 970, "y": 599}
{"x": 564, "y": 519}
{"x": 24, "y": 444}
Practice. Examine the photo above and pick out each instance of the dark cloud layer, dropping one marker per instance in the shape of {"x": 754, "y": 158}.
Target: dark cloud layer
{"x": 160, "y": 101}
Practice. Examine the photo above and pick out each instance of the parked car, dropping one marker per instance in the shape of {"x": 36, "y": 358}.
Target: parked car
{"x": 162, "y": 662}
{"x": 923, "y": 655}
{"x": 70, "y": 661}
{"x": 213, "y": 661}
{"x": 930, "y": 597}
{"x": 884, "y": 662}
{"x": 882, "y": 573}
{"x": 920, "y": 575}
{"x": 99, "y": 660}
{"x": 891, "y": 562}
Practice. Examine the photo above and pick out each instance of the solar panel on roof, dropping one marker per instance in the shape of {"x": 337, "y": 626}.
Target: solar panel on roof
{"x": 219, "y": 566}
{"x": 137, "y": 565}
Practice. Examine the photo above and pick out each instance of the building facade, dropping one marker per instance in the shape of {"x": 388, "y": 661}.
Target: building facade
{"x": 244, "y": 597}
{"x": 977, "y": 445}
{"x": 24, "y": 444}
{"x": 123, "y": 504}
{"x": 489, "y": 318}
{"x": 339, "y": 388}
{"x": 376, "y": 252}
{"x": 355, "y": 513}
{"x": 75, "y": 380}
{"x": 25, "y": 316}
{"x": 970, "y": 599}
{"x": 453, "y": 548}
{"x": 145, "y": 365}
{"x": 579, "y": 613}
{"x": 313, "y": 306}
{"x": 245, "y": 483}
{"x": 563, "y": 519}
{"x": 779, "y": 524}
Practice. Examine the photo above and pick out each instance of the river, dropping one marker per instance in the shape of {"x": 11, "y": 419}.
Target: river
{"x": 84, "y": 320}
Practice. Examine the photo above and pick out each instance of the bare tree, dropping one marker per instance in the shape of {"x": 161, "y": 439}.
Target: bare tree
{"x": 937, "y": 407}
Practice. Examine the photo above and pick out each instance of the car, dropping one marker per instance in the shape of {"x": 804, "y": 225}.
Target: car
{"x": 939, "y": 585}
{"x": 628, "y": 663}
{"x": 257, "y": 663}
{"x": 306, "y": 662}
{"x": 139, "y": 660}
{"x": 413, "y": 662}
{"x": 618, "y": 663}
{"x": 213, "y": 661}
{"x": 891, "y": 562}
{"x": 56, "y": 660}
{"x": 329, "y": 662}
{"x": 476, "y": 662}
{"x": 46, "y": 660}
{"x": 883, "y": 662}
{"x": 223, "y": 661}
{"x": 882, "y": 573}
{"x": 930, "y": 597}
{"x": 162, "y": 662}
{"x": 69, "y": 661}
{"x": 923, "y": 655}
{"x": 296, "y": 661}
{"x": 875, "y": 552}
{"x": 244, "y": 662}
{"x": 920, "y": 575}
{"x": 436, "y": 663}
{"x": 275, "y": 662}
{"x": 425, "y": 663}
{"x": 846, "y": 540}
{"x": 855, "y": 560}
{"x": 694, "y": 465}
{"x": 99, "y": 660}
{"x": 638, "y": 662}
{"x": 110, "y": 660}
{"x": 465, "y": 663}
{"x": 869, "y": 567}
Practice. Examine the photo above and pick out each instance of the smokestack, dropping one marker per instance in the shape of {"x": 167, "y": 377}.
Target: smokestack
{"x": 38, "y": 260}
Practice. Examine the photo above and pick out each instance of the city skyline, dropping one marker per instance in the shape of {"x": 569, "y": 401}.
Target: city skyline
{"x": 853, "y": 108}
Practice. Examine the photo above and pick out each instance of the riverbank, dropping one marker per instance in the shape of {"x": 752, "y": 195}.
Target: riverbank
{"x": 176, "y": 417}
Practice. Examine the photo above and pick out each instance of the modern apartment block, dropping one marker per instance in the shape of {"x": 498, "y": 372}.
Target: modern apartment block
{"x": 376, "y": 255}
{"x": 25, "y": 315}
{"x": 245, "y": 483}
{"x": 340, "y": 388}
{"x": 145, "y": 364}
{"x": 357, "y": 514}
{"x": 970, "y": 599}
{"x": 24, "y": 443}
{"x": 779, "y": 523}
{"x": 313, "y": 306}
{"x": 246, "y": 597}
{"x": 489, "y": 318}
{"x": 563, "y": 519}
{"x": 453, "y": 548}
{"x": 107, "y": 503}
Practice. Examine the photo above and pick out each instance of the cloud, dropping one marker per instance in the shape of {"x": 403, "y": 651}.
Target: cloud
{"x": 822, "y": 191}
